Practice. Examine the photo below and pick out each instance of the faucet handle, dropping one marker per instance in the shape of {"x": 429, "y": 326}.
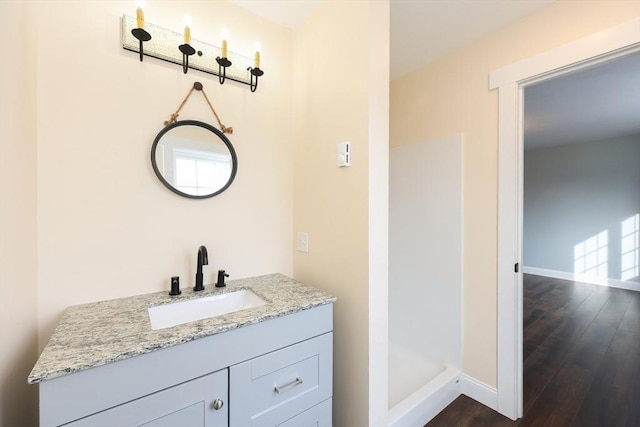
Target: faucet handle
{"x": 221, "y": 275}
{"x": 175, "y": 286}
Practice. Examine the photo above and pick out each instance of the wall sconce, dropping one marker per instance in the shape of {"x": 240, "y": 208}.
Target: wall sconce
{"x": 222, "y": 60}
{"x": 255, "y": 70}
{"x": 218, "y": 61}
{"x": 139, "y": 32}
{"x": 186, "y": 48}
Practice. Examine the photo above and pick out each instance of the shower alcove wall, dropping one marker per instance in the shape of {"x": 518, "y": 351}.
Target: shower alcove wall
{"x": 425, "y": 278}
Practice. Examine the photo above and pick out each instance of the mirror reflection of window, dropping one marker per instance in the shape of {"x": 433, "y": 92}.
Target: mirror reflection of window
{"x": 199, "y": 173}
{"x": 193, "y": 159}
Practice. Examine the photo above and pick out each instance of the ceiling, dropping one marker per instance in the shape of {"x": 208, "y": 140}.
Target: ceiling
{"x": 424, "y": 30}
{"x": 421, "y": 30}
{"x": 288, "y": 13}
{"x": 594, "y": 104}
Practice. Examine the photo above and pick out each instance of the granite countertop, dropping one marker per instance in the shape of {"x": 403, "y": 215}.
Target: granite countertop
{"x": 95, "y": 334}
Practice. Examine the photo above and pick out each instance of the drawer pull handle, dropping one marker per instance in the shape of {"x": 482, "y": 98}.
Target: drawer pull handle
{"x": 289, "y": 386}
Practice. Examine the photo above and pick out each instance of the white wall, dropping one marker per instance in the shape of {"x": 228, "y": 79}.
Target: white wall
{"x": 425, "y": 261}
{"x": 18, "y": 252}
{"x": 574, "y": 192}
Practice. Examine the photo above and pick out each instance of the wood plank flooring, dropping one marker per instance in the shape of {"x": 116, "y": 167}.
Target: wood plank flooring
{"x": 581, "y": 360}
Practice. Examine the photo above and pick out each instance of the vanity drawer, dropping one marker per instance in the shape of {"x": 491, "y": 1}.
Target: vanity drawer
{"x": 318, "y": 416}
{"x": 273, "y": 388}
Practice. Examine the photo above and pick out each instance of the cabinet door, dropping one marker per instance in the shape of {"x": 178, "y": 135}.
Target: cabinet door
{"x": 190, "y": 404}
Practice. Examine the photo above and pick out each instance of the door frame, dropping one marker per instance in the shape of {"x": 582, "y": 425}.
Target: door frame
{"x": 510, "y": 82}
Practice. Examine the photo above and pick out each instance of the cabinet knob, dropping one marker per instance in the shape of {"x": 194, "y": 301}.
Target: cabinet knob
{"x": 217, "y": 404}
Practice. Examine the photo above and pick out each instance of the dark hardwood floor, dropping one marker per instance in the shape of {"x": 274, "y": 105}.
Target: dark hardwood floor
{"x": 581, "y": 360}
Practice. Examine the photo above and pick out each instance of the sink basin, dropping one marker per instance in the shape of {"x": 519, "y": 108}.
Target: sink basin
{"x": 167, "y": 315}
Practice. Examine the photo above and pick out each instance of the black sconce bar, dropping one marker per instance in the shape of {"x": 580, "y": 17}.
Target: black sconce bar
{"x": 163, "y": 44}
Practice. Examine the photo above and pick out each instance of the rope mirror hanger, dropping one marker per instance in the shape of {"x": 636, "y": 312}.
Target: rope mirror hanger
{"x": 198, "y": 86}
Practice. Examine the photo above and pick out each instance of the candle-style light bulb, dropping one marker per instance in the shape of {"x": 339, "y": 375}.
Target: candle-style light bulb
{"x": 256, "y": 58}
{"x": 140, "y": 12}
{"x": 187, "y": 28}
{"x": 224, "y": 35}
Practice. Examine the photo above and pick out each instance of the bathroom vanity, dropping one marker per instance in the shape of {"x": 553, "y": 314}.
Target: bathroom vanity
{"x": 269, "y": 365}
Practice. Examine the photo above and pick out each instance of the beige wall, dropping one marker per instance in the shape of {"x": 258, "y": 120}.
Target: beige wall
{"x": 18, "y": 251}
{"x": 451, "y": 95}
{"x": 80, "y": 114}
{"x": 107, "y": 227}
{"x": 334, "y": 97}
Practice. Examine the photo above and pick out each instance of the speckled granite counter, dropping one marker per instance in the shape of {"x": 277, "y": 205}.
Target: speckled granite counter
{"x": 91, "y": 335}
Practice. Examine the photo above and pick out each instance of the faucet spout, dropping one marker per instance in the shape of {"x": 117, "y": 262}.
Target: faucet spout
{"x": 203, "y": 259}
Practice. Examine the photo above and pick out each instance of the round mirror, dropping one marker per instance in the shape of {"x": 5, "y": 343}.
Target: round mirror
{"x": 194, "y": 159}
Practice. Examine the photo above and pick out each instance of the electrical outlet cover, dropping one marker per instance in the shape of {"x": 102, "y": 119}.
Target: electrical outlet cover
{"x": 302, "y": 242}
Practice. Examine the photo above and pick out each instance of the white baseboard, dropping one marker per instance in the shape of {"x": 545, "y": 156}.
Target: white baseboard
{"x": 427, "y": 402}
{"x": 612, "y": 283}
{"x": 479, "y": 391}
{"x": 423, "y": 405}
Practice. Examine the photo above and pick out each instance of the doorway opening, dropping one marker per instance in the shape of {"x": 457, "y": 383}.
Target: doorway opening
{"x": 511, "y": 82}
{"x": 580, "y": 185}
{"x": 581, "y": 139}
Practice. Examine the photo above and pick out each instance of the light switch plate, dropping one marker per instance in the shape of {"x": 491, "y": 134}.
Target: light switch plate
{"x": 344, "y": 154}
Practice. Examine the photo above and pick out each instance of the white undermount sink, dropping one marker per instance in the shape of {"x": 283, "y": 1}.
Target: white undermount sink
{"x": 167, "y": 315}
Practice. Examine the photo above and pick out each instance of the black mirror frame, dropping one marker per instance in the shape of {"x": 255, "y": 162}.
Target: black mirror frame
{"x": 234, "y": 158}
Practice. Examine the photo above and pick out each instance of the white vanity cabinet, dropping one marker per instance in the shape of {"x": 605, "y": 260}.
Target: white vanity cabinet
{"x": 277, "y": 372}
